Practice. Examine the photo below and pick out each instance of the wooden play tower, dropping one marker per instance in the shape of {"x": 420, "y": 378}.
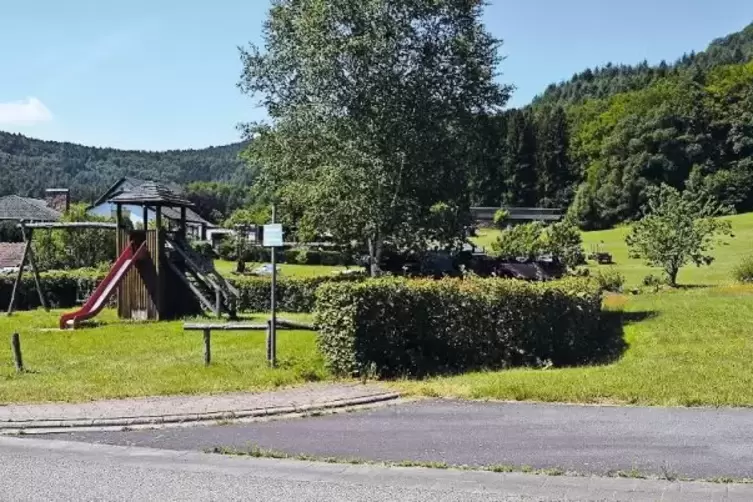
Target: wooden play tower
{"x": 157, "y": 275}
{"x": 172, "y": 281}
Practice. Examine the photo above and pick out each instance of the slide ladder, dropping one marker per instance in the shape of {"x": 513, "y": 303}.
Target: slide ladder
{"x": 98, "y": 300}
{"x": 212, "y": 290}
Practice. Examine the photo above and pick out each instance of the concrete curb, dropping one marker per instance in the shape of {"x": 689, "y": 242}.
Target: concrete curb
{"x": 11, "y": 427}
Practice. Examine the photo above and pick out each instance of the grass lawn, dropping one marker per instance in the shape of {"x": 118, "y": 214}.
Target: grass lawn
{"x": 485, "y": 237}
{"x": 727, "y": 255}
{"x": 686, "y": 347}
{"x": 119, "y": 359}
{"x": 228, "y": 268}
{"x": 692, "y": 346}
{"x": 612, "y": 241}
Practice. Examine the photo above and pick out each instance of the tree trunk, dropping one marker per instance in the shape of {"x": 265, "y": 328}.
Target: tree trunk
{"x": 672, "y": 274}
{"x": 240, "y": 248}
{"x": 375, "y": 256}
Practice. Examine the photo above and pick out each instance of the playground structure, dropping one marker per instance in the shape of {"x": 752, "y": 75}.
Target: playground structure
{"x": 157, "y": 275}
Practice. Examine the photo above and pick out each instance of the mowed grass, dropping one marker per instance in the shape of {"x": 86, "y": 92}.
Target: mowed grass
{"x": 692, "y": 346}
{"x": 727, "y": 255}
{"x": 121, "y": 359}
{"x": 687, "y": 347}
{"x": 227, "y": 268}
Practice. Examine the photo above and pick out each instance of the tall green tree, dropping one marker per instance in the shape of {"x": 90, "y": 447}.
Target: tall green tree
{"x": 371, "y": 106}
{"x": 520, "y": 160}
{"x": 486, "y": 175}
{"x": 554, "y": 177}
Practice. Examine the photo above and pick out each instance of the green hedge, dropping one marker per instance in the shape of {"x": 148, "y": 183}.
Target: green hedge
{"x": 293, "y": 295}
{"x": 228, "y": 251}
{"x": 62, "y": 289}
{"x": 395, "y": 327}
{"x": 306, "y": 256}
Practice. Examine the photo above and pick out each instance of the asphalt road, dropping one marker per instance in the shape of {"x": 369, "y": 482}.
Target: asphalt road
{"x": 35, "y": 470}
{"x": 694, "y": 443}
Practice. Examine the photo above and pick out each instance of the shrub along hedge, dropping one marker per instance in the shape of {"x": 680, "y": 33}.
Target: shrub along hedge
{"x": 394, "y": 327}
{"x": 306, "y": 256}
{"x": 293, "y": 294}
{"x": 62, "y": 289}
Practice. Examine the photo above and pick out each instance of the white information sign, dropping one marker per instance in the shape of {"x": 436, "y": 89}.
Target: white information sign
{"x": 273, "y": 236}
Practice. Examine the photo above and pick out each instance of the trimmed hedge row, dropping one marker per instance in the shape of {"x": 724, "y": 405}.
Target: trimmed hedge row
{"x": 306, "y": 256}
{"x": 62, "y": 289}
{"x": 65, "y": 289}
{"x": 293, "y": 295}
{"x": 394, "y": 327}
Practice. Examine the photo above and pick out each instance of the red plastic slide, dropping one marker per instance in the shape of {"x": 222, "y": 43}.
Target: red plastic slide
{"x": 106, "y": 288}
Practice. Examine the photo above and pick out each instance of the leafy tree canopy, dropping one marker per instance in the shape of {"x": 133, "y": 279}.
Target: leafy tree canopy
{"x": 372, "y": 106}
{"x": 678, "y": 229}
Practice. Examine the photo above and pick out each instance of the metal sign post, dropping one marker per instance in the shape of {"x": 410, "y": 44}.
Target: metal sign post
{"x": 273, "y": 239}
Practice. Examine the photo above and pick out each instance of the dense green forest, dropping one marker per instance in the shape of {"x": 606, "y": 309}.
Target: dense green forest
{"x": 593, "y": 144}
{"x": 28, "y": 166}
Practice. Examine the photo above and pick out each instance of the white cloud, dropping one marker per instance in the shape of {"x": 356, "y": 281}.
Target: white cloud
{"x": 26, "y": 112}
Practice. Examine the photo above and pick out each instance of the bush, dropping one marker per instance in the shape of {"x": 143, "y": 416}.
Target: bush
{"x": 610, "y": 280}
{"x": 563, "y": 240}
{"x": 743, "y": 272}
{"x": 204, "y": 248}
{"x": 228, "y": 251}
{"x": 401, "y": 327}
{"x": 654, "y": 282}
{"x": 531, "y": 240}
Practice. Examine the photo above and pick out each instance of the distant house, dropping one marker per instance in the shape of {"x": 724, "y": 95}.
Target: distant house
{"x": 11, "y": 254}
{"x": 16, "y": 208}
{"x": 484, "y": 216}
{"x": 197, "y": 226}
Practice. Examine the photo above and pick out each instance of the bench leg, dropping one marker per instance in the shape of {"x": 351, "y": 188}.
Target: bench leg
{"x": 207, "y": 347}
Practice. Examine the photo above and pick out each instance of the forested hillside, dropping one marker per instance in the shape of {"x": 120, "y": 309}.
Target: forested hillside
{"x": 612, "y": 79}
{"x": 28, "y": 166}
{"x": 593, "y": 144}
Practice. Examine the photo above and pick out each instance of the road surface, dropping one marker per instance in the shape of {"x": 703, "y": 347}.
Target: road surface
{"x": 49, "y": 470}
{"x": 694, "y": 443}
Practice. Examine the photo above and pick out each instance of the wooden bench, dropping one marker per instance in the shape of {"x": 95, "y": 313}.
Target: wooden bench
{"x": 207, "y": 329}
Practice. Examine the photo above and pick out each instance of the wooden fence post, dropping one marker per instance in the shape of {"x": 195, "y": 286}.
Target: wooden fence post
{"x": 207, "y": 347}
{"x": 15, "y": 343}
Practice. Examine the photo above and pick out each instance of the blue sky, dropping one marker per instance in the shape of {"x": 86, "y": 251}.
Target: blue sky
{"x": 154, "y": 75}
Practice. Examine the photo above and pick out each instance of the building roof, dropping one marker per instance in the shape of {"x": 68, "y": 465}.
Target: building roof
{"x": 151, "y": 194}
{"x": 130, "y": 184}
{"x": 13, "y": 207}
{"x": 11, "y": 254}
{"x": 518, "y": 213}
{"x": 191, "y": 216}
